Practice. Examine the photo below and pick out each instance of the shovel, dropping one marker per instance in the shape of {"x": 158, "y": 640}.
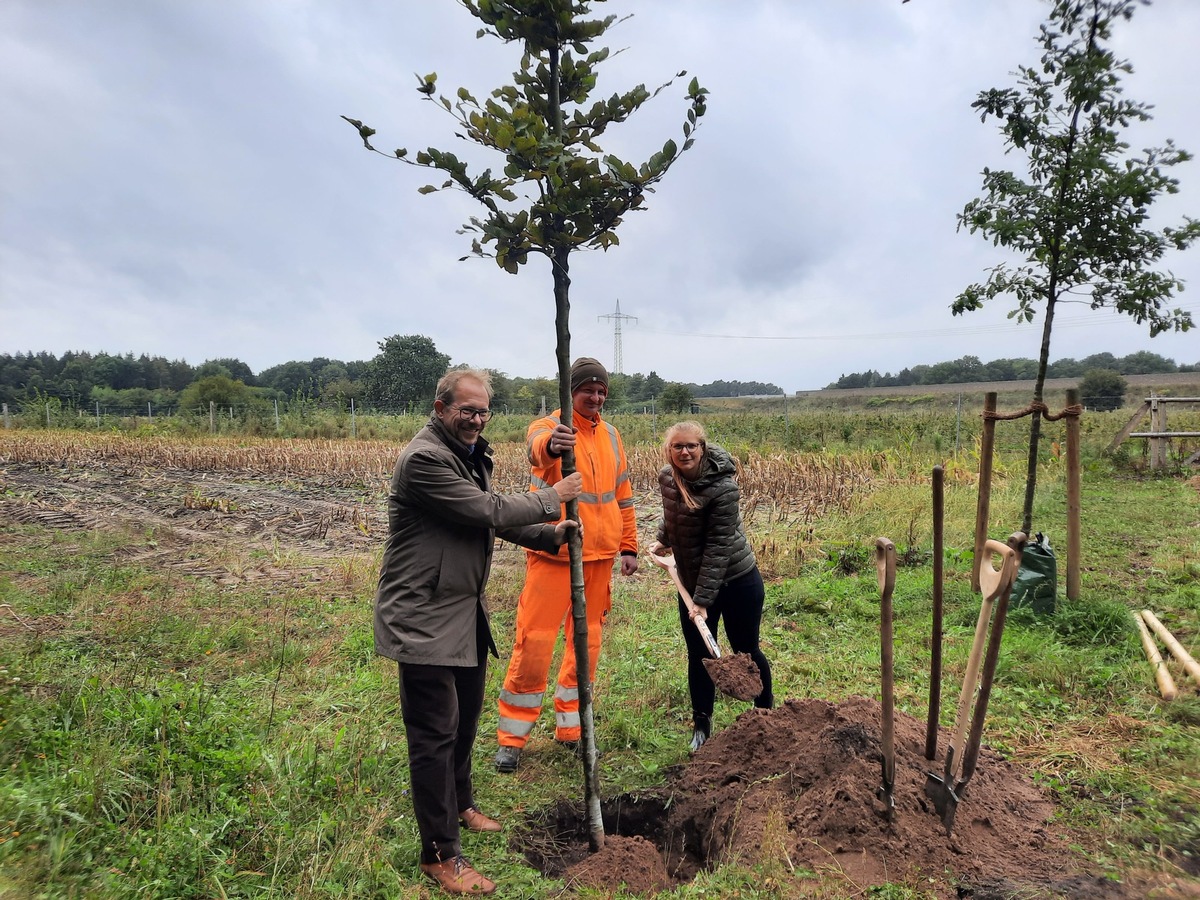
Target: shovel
{"x": 885, "y": 567}
{"x": 667, "y": 561}
{"x": 946, "y": 791}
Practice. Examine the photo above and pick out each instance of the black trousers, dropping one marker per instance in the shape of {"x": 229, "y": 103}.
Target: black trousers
{"x": 740, "y": 604}
{"x": 441, "y": 706}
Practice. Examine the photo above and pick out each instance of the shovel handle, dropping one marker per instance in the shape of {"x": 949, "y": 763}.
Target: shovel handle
{"x": 667, "y": 561}
{"x": 885, "y": 565}
{"x": 993, "y": 582}
{"x": 971, "y": 754}
{"x": 935, "y": 660}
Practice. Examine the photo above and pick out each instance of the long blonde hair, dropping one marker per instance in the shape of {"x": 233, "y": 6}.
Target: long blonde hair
{"x": 668, "y": 439}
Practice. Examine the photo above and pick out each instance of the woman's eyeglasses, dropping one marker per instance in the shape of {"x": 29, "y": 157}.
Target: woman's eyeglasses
{"x": 470, "y": 412}
{"x": 690, "y": 448}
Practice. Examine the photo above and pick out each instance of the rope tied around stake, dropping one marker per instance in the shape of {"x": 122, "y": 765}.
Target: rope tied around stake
{"x": 1038, "y": 407}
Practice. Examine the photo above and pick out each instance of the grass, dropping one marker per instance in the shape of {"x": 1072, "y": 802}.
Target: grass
{"x": 166, "y": 735}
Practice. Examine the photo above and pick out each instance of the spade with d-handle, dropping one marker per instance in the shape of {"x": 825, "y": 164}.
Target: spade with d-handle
{"x": 996, "y": 584}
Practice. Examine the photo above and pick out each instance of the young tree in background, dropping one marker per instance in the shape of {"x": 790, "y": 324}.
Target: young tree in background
{"x": 558, "y": 193}
{"x": 1077, "y": 218}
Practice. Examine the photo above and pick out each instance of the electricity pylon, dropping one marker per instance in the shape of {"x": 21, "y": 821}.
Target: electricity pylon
{"x": 617, "y": 317}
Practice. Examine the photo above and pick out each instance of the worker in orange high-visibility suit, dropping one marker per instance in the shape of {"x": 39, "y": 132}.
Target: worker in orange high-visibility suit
{"x": 609, "y": 528}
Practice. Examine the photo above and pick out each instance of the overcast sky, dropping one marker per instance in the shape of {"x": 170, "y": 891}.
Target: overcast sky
{"x": 175, "y": 180}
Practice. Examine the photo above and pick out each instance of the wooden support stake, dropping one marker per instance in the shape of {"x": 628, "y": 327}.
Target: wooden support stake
{"x": 1190, "y": 665}
{"x": 986, "y": 444}
{"x": 1166, "y": 684}
{"x": 1074, "y": 539}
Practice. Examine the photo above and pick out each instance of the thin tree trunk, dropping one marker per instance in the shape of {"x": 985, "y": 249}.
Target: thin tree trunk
{"x": 1055, "y": 265}
{"x": 583, "y": 670}
{"x": 1035, "y": 427}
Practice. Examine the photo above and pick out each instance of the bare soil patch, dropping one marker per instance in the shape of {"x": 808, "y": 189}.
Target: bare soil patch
{"x": 793, "y": 790}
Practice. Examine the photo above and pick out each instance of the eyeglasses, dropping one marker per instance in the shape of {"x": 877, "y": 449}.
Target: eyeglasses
{"x": 470, "y": 412}
{"x": 690, "y": 448}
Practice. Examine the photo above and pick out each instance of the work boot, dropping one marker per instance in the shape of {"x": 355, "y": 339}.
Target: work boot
{"x": 456, "y": 876}
{"x": 507, "y": 759}
{"x": 700, "y": 733}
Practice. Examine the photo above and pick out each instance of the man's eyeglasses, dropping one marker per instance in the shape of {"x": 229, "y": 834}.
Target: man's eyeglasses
{"x": 690, "y": 448}
{"x": 470, "y": 412}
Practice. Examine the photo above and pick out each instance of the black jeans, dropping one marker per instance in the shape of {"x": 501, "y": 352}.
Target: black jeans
{"x": 740, "y": 603}
{"x": 441, "y": 707}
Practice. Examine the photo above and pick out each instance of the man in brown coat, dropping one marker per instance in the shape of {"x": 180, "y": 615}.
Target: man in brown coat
{"x": 431, "y": 615}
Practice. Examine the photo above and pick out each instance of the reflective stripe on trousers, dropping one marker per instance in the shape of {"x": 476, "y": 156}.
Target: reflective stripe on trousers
{"x": 544, "y": 607}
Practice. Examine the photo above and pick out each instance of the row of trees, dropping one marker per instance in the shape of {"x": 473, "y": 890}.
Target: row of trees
{"x": 402, "y": 375}
{"x": 971, "y": 369}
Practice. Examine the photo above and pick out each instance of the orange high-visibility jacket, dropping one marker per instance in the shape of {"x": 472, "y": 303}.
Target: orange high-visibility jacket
{"x": 606, "y": 504}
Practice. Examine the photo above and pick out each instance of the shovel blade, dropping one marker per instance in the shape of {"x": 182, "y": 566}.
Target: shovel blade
{"x": 945, "y": 800}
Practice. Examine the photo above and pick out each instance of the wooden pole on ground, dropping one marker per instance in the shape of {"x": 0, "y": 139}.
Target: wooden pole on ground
{"x": 1166, "y": 684}
{"x": 1074, "y": 540}
{"x": 986, "y": 444}
{"x": 1190, "y": 665}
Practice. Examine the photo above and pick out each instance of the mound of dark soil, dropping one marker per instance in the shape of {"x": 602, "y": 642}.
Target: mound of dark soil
{"x": 794, "y": 788}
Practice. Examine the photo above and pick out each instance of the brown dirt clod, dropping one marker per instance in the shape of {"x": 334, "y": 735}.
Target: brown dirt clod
{"x": 735, "y": 675}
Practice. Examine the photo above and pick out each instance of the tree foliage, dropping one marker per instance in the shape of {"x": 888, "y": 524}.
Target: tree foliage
{"x": 676, "y": 398}
{"x": 406, "y": 370}
{"x": 557, "y": 190}
{"x": 1077, "y": 217}
{"x": 1103, "y": 390}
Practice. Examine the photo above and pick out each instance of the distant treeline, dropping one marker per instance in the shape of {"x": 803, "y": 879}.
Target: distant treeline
{"x": 971, "y": 369}
{"x": 401, "y": 377}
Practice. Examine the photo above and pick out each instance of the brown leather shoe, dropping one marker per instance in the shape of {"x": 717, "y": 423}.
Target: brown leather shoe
{"x": 456, "y": 876}
{"x": 473, "y": 820}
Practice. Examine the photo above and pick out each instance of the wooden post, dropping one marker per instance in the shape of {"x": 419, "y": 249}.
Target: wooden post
{"x": 212, "y": 416}
{"x": 1158, "y": 424}
{"x": 1073, "y": 493}
{"x": 7, "y": 420}
{"x": 986, "y": 443}
{"x": 1166, "y": 684}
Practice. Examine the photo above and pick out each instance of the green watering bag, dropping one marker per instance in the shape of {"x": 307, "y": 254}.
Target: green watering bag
{"x": 1037, "y": 578}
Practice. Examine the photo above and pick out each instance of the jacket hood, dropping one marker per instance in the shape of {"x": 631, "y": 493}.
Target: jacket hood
{"x": 717, "y": 464}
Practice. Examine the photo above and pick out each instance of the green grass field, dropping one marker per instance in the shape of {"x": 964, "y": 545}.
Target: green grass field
{"x": 200, "y": 718}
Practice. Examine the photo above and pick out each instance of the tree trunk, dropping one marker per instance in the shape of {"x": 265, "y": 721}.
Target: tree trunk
{"x": 583, "y": 670}
{"x": 1035, "y": 427}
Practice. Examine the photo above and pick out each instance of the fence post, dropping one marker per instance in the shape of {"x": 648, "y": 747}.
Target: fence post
{"x": 353, "y": 424}
{"x": 958, "y": 425}
{"x": 276, "y": 414}
{"x": 1074, "y": 540}
{"x": 97, "y": 413}
{"x": 7, "y": 420}
{"x": 47, "y": 415}
{"x": 1158, "y": 423}
{"x": 986, "y": 444}
{"x": 149, "y": 412}
{"x": 212, "y": 416}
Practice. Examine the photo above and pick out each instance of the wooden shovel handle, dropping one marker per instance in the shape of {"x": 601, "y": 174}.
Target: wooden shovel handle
{"x": 667, "y": 561}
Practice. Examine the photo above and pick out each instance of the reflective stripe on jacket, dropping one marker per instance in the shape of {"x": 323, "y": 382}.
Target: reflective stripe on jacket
{"x": 606, "y": 504}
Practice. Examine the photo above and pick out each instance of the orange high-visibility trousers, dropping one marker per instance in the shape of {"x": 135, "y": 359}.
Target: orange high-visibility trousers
{"x": 544, "y": 606}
